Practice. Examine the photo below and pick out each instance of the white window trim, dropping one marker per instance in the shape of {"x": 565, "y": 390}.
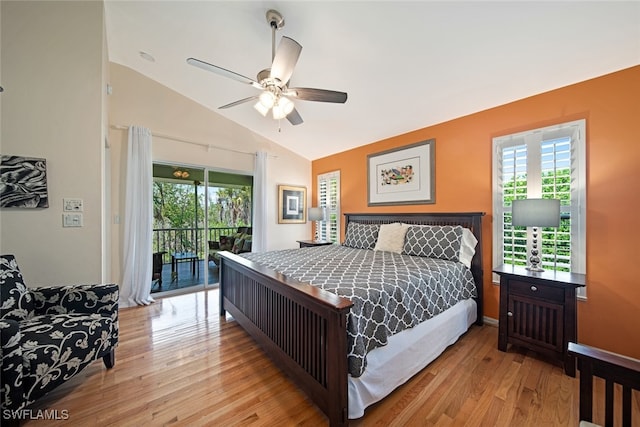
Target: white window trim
{"x": 326, "y": 225}
{"x": 577, "y": 130}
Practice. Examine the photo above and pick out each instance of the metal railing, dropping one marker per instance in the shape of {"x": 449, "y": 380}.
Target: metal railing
{"x": 192, "y": 239}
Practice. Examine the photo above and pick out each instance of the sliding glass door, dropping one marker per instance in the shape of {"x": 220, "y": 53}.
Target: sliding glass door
{"x": 197, "y": 212}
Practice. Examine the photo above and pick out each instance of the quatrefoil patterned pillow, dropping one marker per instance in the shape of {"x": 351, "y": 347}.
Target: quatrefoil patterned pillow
{"x": 361, "y": 236}
{"x": 434, "y": 241}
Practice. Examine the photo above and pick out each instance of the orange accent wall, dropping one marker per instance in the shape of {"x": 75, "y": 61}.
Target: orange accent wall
{"x": 611, "y": 106}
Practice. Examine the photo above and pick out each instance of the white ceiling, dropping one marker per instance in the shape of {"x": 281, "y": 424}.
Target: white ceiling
{"x": 405, "y": 65}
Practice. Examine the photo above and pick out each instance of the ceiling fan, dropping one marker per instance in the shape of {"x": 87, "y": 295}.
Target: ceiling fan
{"x": 275, "y": 96}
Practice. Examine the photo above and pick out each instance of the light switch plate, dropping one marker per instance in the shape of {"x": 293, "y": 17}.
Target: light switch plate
{"x": 72, "y": 220}
{"x": 72, "y": 205}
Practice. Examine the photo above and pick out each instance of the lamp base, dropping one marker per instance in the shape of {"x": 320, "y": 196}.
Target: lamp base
{"x": 534, "y": 259}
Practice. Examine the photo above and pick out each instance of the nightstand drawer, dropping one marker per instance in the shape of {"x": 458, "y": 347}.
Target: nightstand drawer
{"x": 534, "y": 290}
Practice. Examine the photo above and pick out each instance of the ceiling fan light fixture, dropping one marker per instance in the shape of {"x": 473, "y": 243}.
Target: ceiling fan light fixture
{"x": 282, "y": 108}
{"x": 267, "y": 99}
{"x": 273, "y": 81}
{"x": 261, "y": 108}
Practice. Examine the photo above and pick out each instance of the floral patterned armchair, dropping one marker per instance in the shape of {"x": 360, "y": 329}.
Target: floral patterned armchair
{"x": 49, "y": 334}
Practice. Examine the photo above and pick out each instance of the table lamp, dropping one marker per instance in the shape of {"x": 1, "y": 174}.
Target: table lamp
{"x": 317, "y": 214}
{"x": 535, "y": 213}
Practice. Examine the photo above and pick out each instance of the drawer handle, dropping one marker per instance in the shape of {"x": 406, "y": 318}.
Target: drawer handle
{"x": 533, "y": 288}
{"x": 510, "y": 314}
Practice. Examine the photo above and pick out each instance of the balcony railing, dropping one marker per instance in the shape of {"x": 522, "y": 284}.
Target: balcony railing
{"x": 193, "y": 239}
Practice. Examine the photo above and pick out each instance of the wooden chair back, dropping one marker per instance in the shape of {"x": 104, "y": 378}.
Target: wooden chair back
{"x": 614, "y": 369}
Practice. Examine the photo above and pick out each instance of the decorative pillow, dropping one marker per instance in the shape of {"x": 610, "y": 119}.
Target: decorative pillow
{"x": 391, "y": 237}
{"x": 226, "y": 243}
{"x": 434, "y": 241}
{"x": 361, "y": 236}
{"x": 246, "y": 246}
{"x": 467, "y": 247}
{"x": 237, "y": 246}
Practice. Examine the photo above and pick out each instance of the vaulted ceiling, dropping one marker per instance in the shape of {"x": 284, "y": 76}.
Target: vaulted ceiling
{"x": 404, "y": 65}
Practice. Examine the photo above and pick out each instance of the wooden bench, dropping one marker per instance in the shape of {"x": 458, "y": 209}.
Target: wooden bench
{"x": 613, "y": 368}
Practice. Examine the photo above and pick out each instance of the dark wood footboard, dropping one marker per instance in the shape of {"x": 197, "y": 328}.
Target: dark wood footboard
{"x": 302, "y": 328}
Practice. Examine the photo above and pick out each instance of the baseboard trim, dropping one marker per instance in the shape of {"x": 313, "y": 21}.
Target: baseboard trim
{"x": 490, "y": 321}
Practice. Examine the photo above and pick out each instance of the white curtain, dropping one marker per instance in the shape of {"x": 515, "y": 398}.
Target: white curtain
{"x": 138, "y": 220}
{"x": 259, "y": 223}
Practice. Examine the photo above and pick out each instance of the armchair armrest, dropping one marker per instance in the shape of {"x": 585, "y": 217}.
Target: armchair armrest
{"x": 11, "y": 354}
{"x": 214, "y": 245}
{"x": 101, "y": 299}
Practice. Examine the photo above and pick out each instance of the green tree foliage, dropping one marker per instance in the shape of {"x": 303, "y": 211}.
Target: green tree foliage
{"x": 182, "y": 205}
{"x": 232, "y": 207}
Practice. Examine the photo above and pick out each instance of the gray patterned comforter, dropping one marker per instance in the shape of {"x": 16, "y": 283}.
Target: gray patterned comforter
{"x": 390, "y": 292}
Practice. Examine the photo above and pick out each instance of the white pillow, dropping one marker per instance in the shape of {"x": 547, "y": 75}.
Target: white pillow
{"x": 467, "y": 247}
{"x": 391, "y": 237}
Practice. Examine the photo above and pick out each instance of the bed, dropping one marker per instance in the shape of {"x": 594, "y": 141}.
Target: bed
{"x": 302, "y": 327}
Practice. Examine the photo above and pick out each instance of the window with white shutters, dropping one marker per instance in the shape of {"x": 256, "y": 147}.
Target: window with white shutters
{"x": 541, "y": 163}
{"x": 329, "y": 197}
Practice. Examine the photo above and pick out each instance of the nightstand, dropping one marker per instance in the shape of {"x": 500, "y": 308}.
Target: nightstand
{"x": 538, "y": 311}
{"x": 311, "y": 243}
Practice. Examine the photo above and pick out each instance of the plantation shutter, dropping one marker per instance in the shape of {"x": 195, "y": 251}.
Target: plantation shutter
{"x": 329, "y": 197}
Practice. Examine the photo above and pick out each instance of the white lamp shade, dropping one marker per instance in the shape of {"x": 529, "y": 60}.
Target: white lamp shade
{"x": 535, "y": 213}
{"x": 261, "y": 108}
{"x": 267, "y": 99}
{"x": 317, "y": 214}
{"x": 282, "y": 108}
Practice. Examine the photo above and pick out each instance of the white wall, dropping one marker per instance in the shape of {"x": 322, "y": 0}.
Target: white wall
{"x": 52, "y": 59}
{"x": 137, "y": 100}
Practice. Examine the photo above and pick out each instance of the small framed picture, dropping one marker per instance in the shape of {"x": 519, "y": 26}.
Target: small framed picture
{"x": 292, "y": 204}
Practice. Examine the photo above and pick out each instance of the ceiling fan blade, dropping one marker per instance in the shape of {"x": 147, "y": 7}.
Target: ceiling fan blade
{"x": 321, "y": 95}
{"x": 223, "y": 72}
{"x": 241, "y": 101}
{"x": 285, "y": 59}
{"x": 294, "y": 117}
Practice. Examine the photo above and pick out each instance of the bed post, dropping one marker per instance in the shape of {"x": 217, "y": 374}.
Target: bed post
{"x": 337, "y": 386}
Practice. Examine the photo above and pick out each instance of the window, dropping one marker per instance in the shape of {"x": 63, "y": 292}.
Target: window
{"x": 541, "y": 163}
{"x": 329, "y": 197}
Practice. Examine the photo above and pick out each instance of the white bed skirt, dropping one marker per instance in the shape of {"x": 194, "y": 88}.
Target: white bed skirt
{"x": 407, "y": 353}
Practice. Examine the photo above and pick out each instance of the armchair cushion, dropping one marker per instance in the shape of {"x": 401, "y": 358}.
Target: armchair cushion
{"x": 55, "y": 347}
{"x": 65, "y": 329}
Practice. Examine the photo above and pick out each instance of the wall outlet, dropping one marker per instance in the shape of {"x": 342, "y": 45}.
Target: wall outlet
{"x": 72, "y": 205}
{"x": 72, "y": 220}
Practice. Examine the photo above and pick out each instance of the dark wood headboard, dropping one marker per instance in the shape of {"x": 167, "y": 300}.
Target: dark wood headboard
{"x": 470, "y": 220}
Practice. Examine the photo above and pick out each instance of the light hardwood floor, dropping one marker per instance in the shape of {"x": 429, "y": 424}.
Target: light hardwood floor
{"x": 179, "y": 363}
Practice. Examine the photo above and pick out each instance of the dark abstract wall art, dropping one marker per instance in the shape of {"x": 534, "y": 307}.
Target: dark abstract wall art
{"x": 23, "y": 182}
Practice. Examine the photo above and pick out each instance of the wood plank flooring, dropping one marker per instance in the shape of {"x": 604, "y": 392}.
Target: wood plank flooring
{"x": 179, "y": 363}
